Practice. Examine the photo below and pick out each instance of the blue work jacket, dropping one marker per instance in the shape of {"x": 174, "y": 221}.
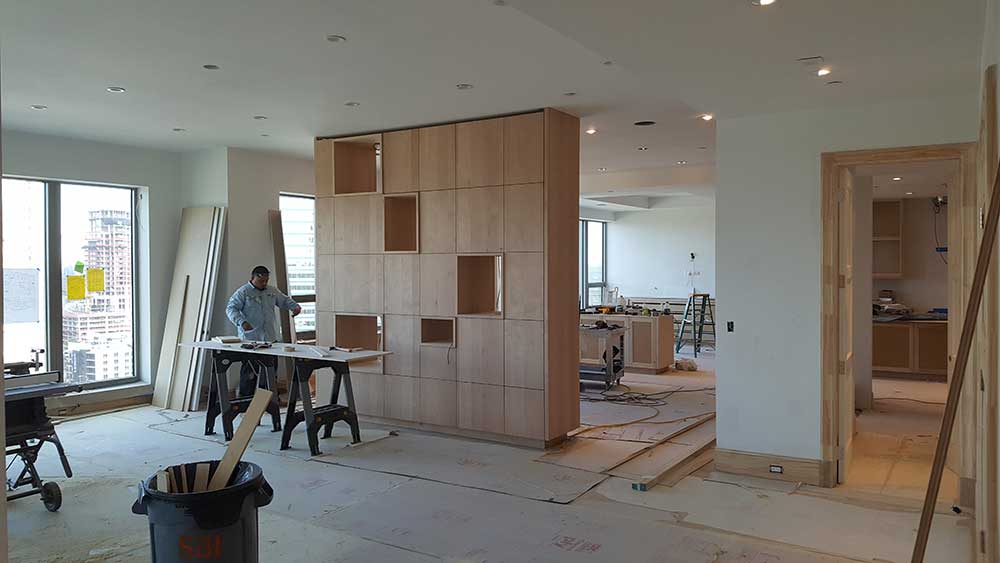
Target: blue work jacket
{"x": 256, "y": 306}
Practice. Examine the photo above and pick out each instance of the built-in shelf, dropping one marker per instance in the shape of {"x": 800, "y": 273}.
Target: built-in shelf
{"x": 357, "y": 165}
{"x": 480, "y": 285}
{"x": 360, "y": 331}
{"x": 887, "y": 239}
{"x": 401, "y": 223}
{"x": 437, "y": 332}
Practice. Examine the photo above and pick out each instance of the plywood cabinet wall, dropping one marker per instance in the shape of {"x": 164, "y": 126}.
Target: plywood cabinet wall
{"x": 454, "y": 246}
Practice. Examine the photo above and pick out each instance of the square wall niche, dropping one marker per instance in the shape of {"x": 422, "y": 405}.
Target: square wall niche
{"x": 359, "y": 331}
{"x": 480, "y": 285}
{"x": 437, "y": 332}
{"x": 357, "y": 165}
{"x": 401, "y": 220}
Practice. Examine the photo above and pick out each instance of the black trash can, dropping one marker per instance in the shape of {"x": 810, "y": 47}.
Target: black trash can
{"x": 209, "y": 526}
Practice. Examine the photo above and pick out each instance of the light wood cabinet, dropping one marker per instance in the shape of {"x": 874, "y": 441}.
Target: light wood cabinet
{"x": 523, "y": 153}
{"x": 361, "y": 292}
{"x": 401, "y": 397}
{"x": 910, "y": 347}
{"x": 437, "y": 221}
{"x": 402, "y": 338}
{"x": 357, "y": 224}
{"x": 402, "y": 284}
{"x": 437, "y": 157}
{"x": 480, "y": 350}
{"x": 479, "y": 153}
{"x": 479, "y": 219}
{"x": 887, "y": 239}
{"x": 522, "y": 217}
{"x": 400, "y": 158}
{"x": 649, "y": 342}
{"x": 438, "y": 284}
{"x": 480, "y": 407}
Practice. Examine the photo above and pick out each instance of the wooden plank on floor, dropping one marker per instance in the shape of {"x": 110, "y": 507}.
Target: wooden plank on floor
{"x": 592, "y": 455}
{"x": 687, "y": 467}
{"x": 655, "y": 461}
{"x": 260, "y": 401}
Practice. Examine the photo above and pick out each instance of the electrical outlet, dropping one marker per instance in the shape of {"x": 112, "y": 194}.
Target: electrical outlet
{"x": 729, "y": 326}
{"x": 776, "y": 469}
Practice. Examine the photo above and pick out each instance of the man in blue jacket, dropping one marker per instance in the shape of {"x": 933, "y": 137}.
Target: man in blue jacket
{"x": 251, "y": 309}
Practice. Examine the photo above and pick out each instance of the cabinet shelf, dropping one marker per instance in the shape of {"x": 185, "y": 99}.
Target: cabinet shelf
{"x": 400, "y": 224}
{"x": 357, "y": 165}
{"x": 480, "y": 285}
{"x": 437, "y": 332}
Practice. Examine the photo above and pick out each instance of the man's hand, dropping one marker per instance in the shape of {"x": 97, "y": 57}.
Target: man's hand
{"x": 247, "y": 326}
{"x": 296, "y": 310}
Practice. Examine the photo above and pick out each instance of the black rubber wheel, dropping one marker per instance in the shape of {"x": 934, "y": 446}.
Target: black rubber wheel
{"x": 51, "y": 496}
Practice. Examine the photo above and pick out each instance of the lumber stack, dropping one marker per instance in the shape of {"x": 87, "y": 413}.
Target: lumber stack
{"x": 189, "y": 312}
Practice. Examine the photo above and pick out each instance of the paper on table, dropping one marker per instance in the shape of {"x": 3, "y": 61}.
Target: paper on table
{"x": 75, "y": 288}
{"x": 95, "y": 280}
{"x": 20, "y": 295}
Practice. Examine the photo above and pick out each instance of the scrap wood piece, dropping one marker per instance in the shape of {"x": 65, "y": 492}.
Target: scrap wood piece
{"x": 702, "y": 423}
{"x": 201, "y": 472}
{"x": 162, "y": 481}
{"x": 649, "y": 467}
{"x": 238, "y": 445}
{"x": 689, "y": 466}
{"x": 679, "y": 467}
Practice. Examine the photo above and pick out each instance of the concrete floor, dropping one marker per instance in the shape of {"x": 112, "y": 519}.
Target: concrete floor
{"x": 422, "y": 497}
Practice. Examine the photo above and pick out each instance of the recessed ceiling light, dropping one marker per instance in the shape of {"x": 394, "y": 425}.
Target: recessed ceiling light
{"x": 823, "y": 71}
{"x": 116, "y": 89}
{"x": 336, "y": 38}
{"x": 264, "y": 135}
{"x": 896, "y": 178}
{"x": 179, "y": 129}
{"x": 835, "y": 83}
{"x": 590, "y": 131}
{"x": 909, "y": 193}
{"x": 645, "y": 123}
{"x": 602, "y": 169}
{"x": 38, "y": 107}
{"x": 608, "y": 63}
{"x": 210, "y": 67}
{"x": 643, "y": 148}
{"x": 499, "y": 2}
{"x": 569, "y": 93}
{"x": 703, "y": 148}
{"x": 352, "y": 104}
{"x": 682, "y": 162}
{"x": 260, "y": 117}
{"x": 464, "y": 86}
{"x": 762, "y": 2}
{"x": 707, "y": 117}
{"x": 601, "y": 204}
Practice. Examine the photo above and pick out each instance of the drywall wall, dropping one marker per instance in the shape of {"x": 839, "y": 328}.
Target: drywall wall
{"x": 649, "y": 252}
{"x": 924, "y": 284}
{"x": 205, "y": 177}
{"x": 769, "y": 256}
{"x": 862, "y": 321}
{"x": 50, "y": 157}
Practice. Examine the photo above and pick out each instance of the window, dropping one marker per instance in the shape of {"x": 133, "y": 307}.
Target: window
{"x": 71, "y": 247}
{"x": 298, "y": 225}
{"x": 593, "y": 262}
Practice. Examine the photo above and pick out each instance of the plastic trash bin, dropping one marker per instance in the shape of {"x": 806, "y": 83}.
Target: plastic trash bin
{"x": 208, "y": 526}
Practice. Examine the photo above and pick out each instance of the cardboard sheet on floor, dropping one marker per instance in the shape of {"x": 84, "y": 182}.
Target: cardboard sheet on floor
{"x": 662, "y": 457}
{"x": 481, "y": 465}
{"x": 668, "y": 420}
{"x": 592, "y": 455}
{"x": 829, "y": 526}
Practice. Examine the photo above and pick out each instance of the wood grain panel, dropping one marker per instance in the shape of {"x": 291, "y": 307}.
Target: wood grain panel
{"x": 437, "y": 157}
{"x": 401, "y": 397}
{"x": 369, "y": 391}
{"x": 358, "y": 288}
{"x": 324, "y": 282}
{"x": 439, "y": 362}
{"x": 523, "y": 218}
{"x": 524, "y": 354}
{"x": 358, "y": 225}
{"x": 325, "y": 232}
{"x": 354, "y": 168}
{"x": 323, "y": 159}
{"x": 438, "y": 284}
{"x": 402, "y": 338}
{"x": 479, "y": 153}
{"x": 931, "y": 340}
{"x": 892, "y": 346}
{"x": 400, "y": 161}
{"x": 481, "y": 350}
{"x": 808, "y": 471}
{"x": 437, "y": 221}
{"x": 524, "y": 412}
{"x": 402, "y": 284}
{"x": 523, "y": 143}
{"x": 477, "y": 285}
{"x": 438, "y": 402}
{"x": 400, "y": 226}
{"x": 479, "y": 213}
{"x": 525, "y": 285}
{"x": 480, "y": 407}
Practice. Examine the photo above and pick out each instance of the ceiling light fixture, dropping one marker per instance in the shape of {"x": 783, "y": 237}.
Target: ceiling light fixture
{"x": 909, "y": 193}
{"x": 260, "y": 117}
{"x": 116, "y": 89}
{"x": 608, "y": 63}
{"x": 762, "y": 2}
{"x": 210, "y": 67}
{"x": 643, "y": 148}
{"x": 707, "y": 117}
{"x": 602, "y": 169}
{"x": 265, "y": 135}
{"x": 569, "y": 94}
{"x": 601, "y": 204}
{"x": 823, "y": 71}
{"x": 703, "y": 148}
{"x": 336, "y": 38}
{"x": 352, "y": 104}
{"x": 896, "y": 178}
{"x": 499, "y": 2}
{"x": 464, "y": 86}
{"x": 590, "y": 130}
{"x": 179, "y": 129}
{"x": 682, "y": 162}
{"x": 38, "y": 107}
{"x": 835, "y": 83}
{"x": 645, "y": 123}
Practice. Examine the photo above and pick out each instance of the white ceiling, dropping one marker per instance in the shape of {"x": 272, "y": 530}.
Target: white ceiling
{"x": 917, "y": 179}
{"x": 672, "y": 60}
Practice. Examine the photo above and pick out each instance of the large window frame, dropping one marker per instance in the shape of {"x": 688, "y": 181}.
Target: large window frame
{"x": 299, "y": 335}
{"x": 585, "y": 284}
{"x": 53, "y": 283}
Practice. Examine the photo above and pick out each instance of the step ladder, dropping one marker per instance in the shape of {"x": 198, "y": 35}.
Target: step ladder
{"x": 698, "y": 316}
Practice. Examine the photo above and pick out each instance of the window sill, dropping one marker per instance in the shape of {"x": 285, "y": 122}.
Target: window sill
{"x": 90, "y": 400}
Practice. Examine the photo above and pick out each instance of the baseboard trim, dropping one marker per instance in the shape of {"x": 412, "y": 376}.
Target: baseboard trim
{"x": 799, "y": 470}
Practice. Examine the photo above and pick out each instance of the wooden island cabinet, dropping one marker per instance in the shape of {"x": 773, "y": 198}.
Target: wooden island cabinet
{"x": 649, "y": 342}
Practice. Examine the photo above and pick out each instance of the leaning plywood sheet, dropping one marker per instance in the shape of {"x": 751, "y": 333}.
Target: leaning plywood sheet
{"x": 193, "y": 391}
{"x": 493, "y": 467}
{"x": 171, "y": 338}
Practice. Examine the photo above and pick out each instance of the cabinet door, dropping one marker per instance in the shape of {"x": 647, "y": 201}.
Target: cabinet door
{"x": 642, "y": 344}
{"x": 400, "y": 156}
{"x": 931, "y": 347}
{"x": 523, "y": 150}
{"x": 892, "y": 347}
{"x": 479, "y": 153}
{"x": 437, "y": 157}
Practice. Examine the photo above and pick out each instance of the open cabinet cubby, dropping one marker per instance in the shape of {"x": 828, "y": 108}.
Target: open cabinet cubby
{"x": 887, "y": 239}
{"x": 360, "y": 331}
{"x": 480, "y": 285}
{"x": 438, "y": 332}
{"x": 357, "y": 165}
{"x": 401, "y": 222}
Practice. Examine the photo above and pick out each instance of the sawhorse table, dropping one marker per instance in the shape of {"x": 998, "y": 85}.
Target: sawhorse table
{"x": 305, "y": 360}
{"x": 218, "y": 389}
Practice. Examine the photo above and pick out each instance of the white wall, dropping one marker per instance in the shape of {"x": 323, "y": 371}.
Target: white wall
{"x": 44, "y": 156}
{"x": 924, "y": 284}
{"x": 649, "y": 251}
{"x": 769, "y": 254}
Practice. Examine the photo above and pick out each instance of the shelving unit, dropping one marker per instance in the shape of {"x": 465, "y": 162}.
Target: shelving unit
{"x": 360, "y": 331}
{"x": 887, "y": 239}
{"x": 357, "y": 165}
{"x": 479, "y": 285}
{"x": 437, "y": 332}
{"x": 400, "y": 223}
